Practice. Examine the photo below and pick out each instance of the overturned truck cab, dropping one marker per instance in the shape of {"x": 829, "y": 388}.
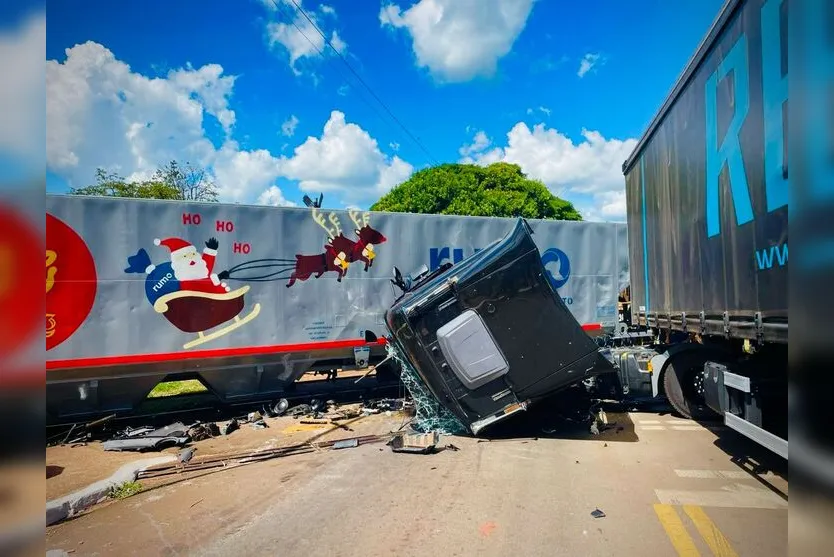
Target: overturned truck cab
{"x": 490, "y": 335}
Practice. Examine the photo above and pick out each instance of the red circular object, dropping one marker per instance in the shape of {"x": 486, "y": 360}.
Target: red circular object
{"x": 73, "y": 291}
{"x": 20, "y": 261}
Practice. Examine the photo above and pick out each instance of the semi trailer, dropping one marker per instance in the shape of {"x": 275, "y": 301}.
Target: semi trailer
{"x": 707, "y": 201}
{"x": 707, "y": 215}
{"x": 247, "y": 299}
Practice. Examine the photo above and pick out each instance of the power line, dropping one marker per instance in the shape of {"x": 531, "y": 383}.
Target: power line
{"x": 356, "y": 74}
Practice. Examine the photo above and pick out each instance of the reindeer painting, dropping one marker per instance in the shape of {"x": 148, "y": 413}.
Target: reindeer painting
{"x": 363, "y": 250}
{"x": 334, "y": 257}
{"x": 339, "y": 252}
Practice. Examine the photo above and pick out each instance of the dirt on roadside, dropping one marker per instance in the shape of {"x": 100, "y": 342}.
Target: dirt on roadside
{"x": 70, "y": 468}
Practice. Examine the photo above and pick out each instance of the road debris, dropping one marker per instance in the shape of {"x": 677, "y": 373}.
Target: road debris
{"x": 200, "y": 431}
{"x": 229, "y": 426}
{"x": 148, "y": 438}
{"x": 596, "y": 513}
{"x": 260, "y": 424}
{"x": 417, "y": 443}
{"x": 346, "y": 444}
{"x": 83, "y": 432}
{"x": 234, "y": 460}
{"x": 186, "y": 454}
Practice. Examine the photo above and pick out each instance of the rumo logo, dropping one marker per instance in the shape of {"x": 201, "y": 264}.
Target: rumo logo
{"x": 557, "y": 265}
{"x": 555, "y": 261}
{"x": 439, "y": 256}
{"x": 161, "y": 282}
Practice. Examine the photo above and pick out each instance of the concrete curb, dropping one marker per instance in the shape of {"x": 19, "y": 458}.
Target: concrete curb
{"x": 72, "y": 504}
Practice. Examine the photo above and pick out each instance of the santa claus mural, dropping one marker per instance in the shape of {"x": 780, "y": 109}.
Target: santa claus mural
{"x": 193, "y": 270}
{"x": 189, "y": 293}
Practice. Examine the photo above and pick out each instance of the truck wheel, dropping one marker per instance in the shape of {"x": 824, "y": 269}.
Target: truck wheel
{"x": 682, "y": 384}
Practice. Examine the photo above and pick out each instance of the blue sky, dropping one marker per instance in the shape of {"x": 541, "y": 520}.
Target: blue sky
{"x": 473, "y": 80}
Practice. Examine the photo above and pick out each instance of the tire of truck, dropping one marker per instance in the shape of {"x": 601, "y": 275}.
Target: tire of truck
{"x": 681, "y": 377}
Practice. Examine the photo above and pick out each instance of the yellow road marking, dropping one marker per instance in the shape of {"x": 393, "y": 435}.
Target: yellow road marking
{"x": 716, "y": 541}
{"x": 680, "y": 538}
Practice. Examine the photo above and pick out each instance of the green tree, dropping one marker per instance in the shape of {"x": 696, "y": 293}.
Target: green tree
{"x": 193, "y": 183}
{"x": 498, "y": 190}
{"x": 111, "y": 184}
{"x": 170, "y": 181}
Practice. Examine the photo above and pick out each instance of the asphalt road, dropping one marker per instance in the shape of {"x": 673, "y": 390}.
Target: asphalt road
{"x": 666, "y": 487}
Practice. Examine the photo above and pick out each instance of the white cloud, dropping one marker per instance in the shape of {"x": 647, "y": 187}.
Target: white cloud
{"x": 242, "y": 174}
{"x": 394, "y": 146}
{"x": 102, "y": 114}
{"x": 273, "y": 196}
{"x": 288, "y": 127}
{"x": 587, "y": 63}
{"x": 543, "y": 109}
{"x": 588, "y": 172}
{"x": 479, "y": 143}
{"x": 22, "y": 56}
{"x": 458, "y": 40}
{"x": 343, "y": 90}
{"x": 347, "y": 161}
{"x": 299, "y": 39}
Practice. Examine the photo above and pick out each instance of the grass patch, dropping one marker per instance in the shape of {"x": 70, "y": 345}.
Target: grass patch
{"x": 125, "y": 490}
{"x": 174, "y": 388}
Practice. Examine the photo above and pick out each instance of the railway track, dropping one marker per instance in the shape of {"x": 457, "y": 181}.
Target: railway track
{"x": 205, "y": 407}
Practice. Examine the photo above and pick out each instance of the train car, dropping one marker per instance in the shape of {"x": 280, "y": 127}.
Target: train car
{"x": 249, "y": 298}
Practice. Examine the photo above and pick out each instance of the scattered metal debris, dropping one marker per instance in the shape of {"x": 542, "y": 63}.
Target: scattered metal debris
{"x": 299, "y": 410}
{"x": 229, "y": 426}
{"x": 200, "y": 431}
{"x": 260, "y": 424}
{"x": 186, "y": 454}
{"x": 229, "y": 461}
{"x": 346, "y": 444}
{"x": 418, "y": 443}
{"x": 280, "y": 407}
{"x": 83, "y": 432}
{"x": 147, "y": 438}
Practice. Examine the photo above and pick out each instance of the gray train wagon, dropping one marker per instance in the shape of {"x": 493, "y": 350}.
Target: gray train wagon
{"x": 249, "y": 298}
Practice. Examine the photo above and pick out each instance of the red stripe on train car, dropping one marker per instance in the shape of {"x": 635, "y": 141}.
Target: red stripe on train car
{"x": 135, "y": 359}
{"x": 207, "y": 354}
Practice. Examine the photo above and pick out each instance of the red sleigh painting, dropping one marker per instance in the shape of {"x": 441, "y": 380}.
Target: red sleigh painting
{"x": 189, "y": 294}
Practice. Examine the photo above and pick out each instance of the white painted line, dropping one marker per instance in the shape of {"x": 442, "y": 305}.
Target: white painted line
{"x": 679, "y": 422}
{"x": 737, "y": 496}
{"x": 714, "y": 474}
{"x": 687, "y": 428}
{"x": 652, "y": 427}
{"x": 647, "y": 422}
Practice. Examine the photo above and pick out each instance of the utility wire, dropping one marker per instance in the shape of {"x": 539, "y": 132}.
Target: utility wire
{"x": 356, "y": 74}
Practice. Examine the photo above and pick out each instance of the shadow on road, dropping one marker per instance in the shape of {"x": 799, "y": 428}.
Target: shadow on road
{"x": 568, "y": 415}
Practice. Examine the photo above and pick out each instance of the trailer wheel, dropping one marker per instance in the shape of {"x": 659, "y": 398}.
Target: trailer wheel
{"x": 683, "y": 385}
